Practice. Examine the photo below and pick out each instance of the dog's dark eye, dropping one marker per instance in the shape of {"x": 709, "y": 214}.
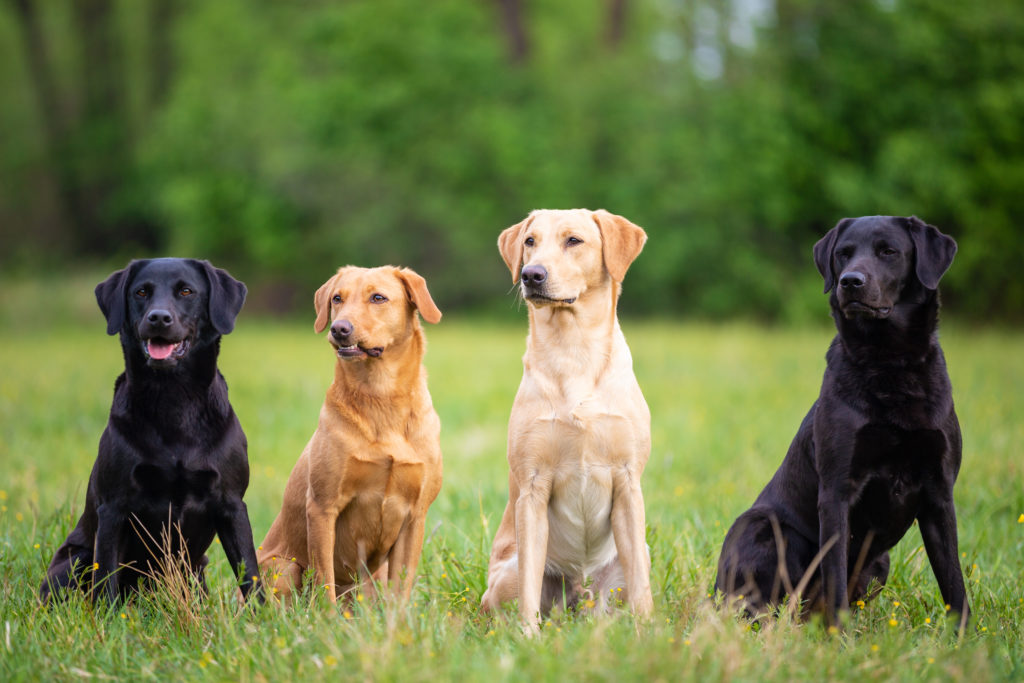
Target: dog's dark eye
{"x": 887, "y": 251}
{"x": 573, "y": 241}
{"x": 185, "y": 291}
{"x": 336, "y": 299}
{"x": 844, "y": 254}
{"x": 529, "y": 242}
{"x": 141, "y": 293}
{"x": 378, "y": 298}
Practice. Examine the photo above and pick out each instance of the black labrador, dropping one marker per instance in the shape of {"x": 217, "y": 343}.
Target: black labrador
{"x": 172, "y": 465}
{"x": 878, "y": 449}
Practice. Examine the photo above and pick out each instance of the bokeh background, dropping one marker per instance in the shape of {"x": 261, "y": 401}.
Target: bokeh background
{"x": 283, "y": 139}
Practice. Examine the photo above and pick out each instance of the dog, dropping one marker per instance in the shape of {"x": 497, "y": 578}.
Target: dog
{"x": 880, "y": 447}
{"x": 172, "y": 466}
{"x": 355, "y": 505}
{"x": 579, "y": 433}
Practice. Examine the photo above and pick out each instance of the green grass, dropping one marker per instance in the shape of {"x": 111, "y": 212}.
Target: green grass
{"x": 725, "y": 402}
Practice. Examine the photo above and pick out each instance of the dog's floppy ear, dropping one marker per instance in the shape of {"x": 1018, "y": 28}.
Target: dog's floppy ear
{"x": 621, "y": 242}
{"x": 416, "y": 290}
{"x": 510, "y": 244}
{"x": 823, "y": 253}
{"x": 111, "y": 295}
{"x": 322, "y": 303}
{"x": 226, "y": 296}
{"x": 934, "y": 251}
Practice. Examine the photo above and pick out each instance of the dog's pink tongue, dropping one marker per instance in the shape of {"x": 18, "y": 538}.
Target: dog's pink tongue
{"x": 159, "y": 351}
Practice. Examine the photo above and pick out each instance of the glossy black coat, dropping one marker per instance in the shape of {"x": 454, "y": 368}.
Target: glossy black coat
{"x": 879, "y": 449}
{"x": 172, "y": 466}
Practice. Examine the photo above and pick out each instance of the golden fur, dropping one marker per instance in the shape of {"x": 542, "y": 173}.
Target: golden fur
{"x": 356, "y": 502}
{"x": 579, "y": 432}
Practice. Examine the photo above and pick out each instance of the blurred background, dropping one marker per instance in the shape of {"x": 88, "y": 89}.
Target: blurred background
{"x": 283, "y": 139}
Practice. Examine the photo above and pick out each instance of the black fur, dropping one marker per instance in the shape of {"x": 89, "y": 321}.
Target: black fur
{"x": 880, "y": 447}
{"x": 173, "y": 450}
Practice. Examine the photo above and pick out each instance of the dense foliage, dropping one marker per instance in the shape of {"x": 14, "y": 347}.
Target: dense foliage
{"x": 285, "y": 139}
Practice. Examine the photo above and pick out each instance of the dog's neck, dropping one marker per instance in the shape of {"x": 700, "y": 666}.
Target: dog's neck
{"x": 394, "y": 378}
{"x": 577, "y": 342}
{"x": 197, "y": 371}
{"x": 906, "y": 338}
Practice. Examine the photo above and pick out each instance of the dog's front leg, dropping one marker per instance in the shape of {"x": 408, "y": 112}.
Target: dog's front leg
{"x": 320, "y": 525}
{"x": 629, "y": 528}
{"x": 404, "y": 557}
{"x": 532, "y": 542}
{"x": 833, "y": 544}
{"x": 109, "y": 526}
{"x": 235, "y": 534}
{"x": 938, "y": 530}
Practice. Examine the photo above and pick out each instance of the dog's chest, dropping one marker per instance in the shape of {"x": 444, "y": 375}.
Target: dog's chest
{"x": 579, "y": 519}
{"x": 888, "y": 473}
{"x": 174, "y": 481}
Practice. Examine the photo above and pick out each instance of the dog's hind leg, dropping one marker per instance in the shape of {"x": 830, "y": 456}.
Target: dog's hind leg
{"x": 71, "y": 567}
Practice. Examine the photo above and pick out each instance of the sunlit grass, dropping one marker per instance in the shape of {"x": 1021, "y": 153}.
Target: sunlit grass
{"x": 725, "y": 401}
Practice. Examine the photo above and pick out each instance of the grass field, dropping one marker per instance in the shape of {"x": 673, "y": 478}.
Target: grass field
{"x": 725, "y": 402}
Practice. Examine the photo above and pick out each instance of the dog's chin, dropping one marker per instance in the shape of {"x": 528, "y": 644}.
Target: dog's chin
{"x": 858, "y": 310}
{"x": 357, "y": 351}
{"x": 165, "y": 353}
{"x": 543, "y": 300}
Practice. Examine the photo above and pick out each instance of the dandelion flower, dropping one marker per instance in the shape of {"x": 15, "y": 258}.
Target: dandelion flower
{"x": 36, "y": 546}
{"x": 874, "y": 648}
{"x": 893, "y": 622}
{"x": 927, "y": 620}
{"x": 1020, "y": 520}
{"x": 346, "y": 614}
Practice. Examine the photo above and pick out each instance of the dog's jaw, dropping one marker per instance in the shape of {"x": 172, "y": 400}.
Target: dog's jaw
{"x": 164, "y": 353}
{"x": 356, "y": 351}
{"x": 856, "y": 310}
{"x": 538, "y": 299}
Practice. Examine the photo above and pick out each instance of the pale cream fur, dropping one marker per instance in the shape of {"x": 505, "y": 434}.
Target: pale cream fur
{"x": 579, "y": 432}
{"x": 355, "y": 504}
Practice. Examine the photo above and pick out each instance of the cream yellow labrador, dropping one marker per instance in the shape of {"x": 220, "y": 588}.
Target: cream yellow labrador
{"x": 579, "y": 435}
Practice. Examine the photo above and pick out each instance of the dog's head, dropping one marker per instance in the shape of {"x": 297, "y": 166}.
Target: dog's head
{"x": 372, "y": 309}
{"x": 557, "y": 256}
{"x": 169, "y": 306}
{"x": 871, "y": 261}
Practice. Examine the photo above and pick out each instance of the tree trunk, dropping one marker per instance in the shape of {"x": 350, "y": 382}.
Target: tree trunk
{"x": 514, "y": 29}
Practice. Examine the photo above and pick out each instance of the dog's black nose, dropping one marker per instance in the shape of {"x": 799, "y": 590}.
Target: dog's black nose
{"x": 534, "y": 275}
{"x": 158, "y": 316}
{"x": 341, "y": 328}
{"x": 852, "y": 279}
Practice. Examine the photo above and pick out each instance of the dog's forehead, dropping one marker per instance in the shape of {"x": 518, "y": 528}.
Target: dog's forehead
{"x": 574, "y": 220}
{"x": 169, "y": 271}
{"x": 871, "y": 229}
{"x": 370, "y": 280}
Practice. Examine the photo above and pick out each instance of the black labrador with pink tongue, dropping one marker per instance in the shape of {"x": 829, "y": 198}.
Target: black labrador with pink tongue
{"x": 172, "y": 465}
{"x": 879, "y": 449}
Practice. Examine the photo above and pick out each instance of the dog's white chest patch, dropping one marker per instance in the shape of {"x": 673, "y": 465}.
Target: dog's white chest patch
{"x": 580, "y": 537}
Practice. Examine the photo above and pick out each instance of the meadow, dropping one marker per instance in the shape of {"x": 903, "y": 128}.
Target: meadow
{"x": 725, "y": 400}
